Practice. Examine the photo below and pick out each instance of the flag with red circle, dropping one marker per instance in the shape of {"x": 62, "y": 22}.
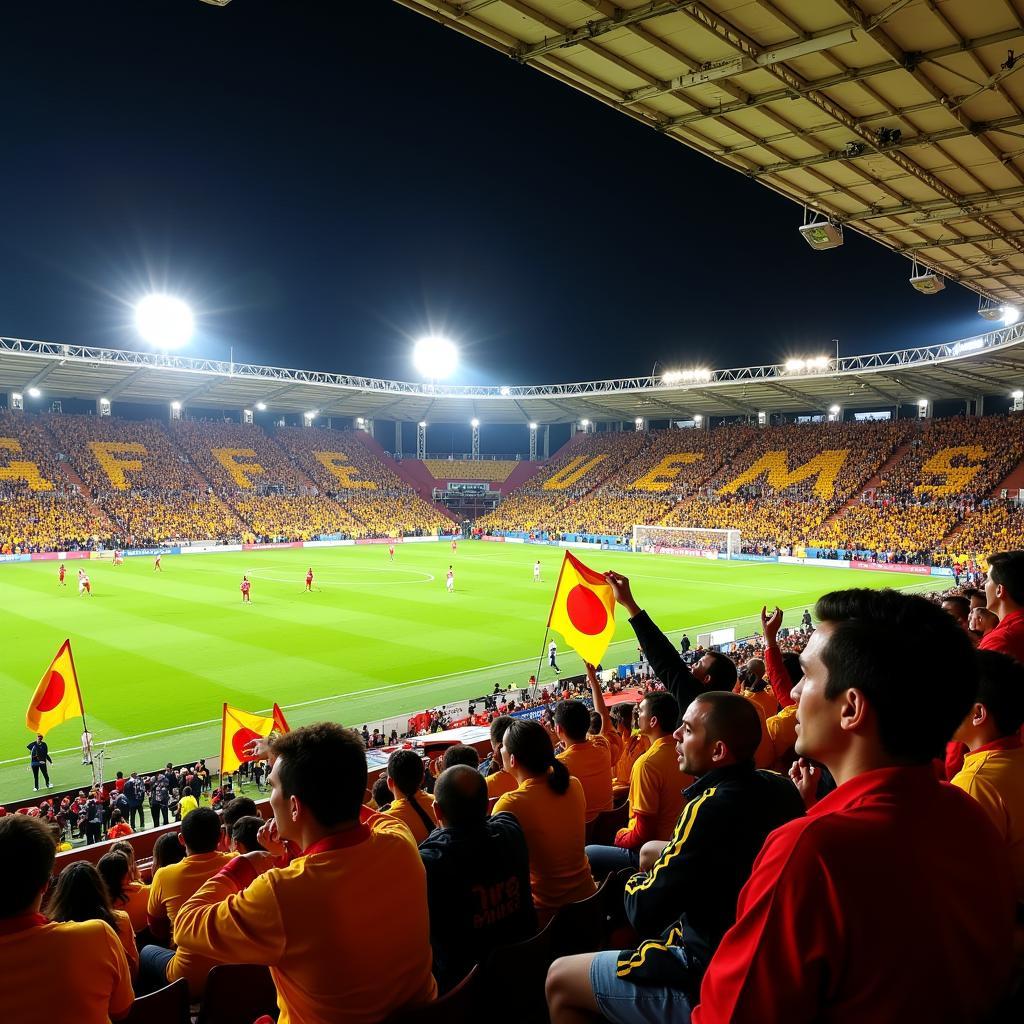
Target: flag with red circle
{"x": 583, "y": 610}
{"x": 239, "y": 728}
{"x": 57, "y": 697}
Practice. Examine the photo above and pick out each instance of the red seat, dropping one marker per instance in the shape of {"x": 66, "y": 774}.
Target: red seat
{"x": 168, "y": 1005}
{"x": 238, "y": 994}
{"x": 462, "y": 1003}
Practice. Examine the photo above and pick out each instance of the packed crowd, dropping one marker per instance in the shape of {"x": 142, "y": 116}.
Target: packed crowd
{"x": 716, "y": 891}
{"x": 494, "y": 470}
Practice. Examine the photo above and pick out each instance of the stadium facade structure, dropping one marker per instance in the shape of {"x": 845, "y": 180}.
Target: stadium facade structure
{"x": 988, "y": 366}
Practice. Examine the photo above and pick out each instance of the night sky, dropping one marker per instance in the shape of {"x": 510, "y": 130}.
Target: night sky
{"x": 324, "y": 181}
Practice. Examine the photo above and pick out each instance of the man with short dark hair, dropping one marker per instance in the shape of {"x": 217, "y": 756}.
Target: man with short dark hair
{"x": 688, "y": 899}
{"x": 1004, "y": 596}
{"x": 135, "y": 793}
{"x": 713, "y": 670}
{"x": 892, "y": 900}
{"x": 588, "y": 760}
{"x": 499, "y": 781}
{"x": 307, "y": 921}
{"x": 460, "y": 753}
{"x": 172, "y": 886}
{"x": 959, "y": 608}
{"x": 234, "y": 809}
{"x": 478, "y": 877}
{"x": 655, "y": 789}
{"x": 87, "y": 955}
{"x": 993, "y": 769}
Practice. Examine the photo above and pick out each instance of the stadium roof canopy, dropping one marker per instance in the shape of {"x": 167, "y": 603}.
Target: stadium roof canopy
{"x": 900, "y": 119}
{"x": 990, "y": 364}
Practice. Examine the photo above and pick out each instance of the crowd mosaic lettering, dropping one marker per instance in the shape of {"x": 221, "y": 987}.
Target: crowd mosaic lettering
{"x": 953, "y": 478}
{"x": 573, "y": 470}
{"x": 663, "y": 475}
{"x": 108, "y": 455}
{"x": 21, "y": 469}
{"x": 774, "y": 467}
{"x": 239, "y": 471}
{"x": 339, "y": 466}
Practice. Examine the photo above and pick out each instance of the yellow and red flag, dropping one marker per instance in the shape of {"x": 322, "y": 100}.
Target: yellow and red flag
{"x": 57, "y": 697}
{"x": 280, "y": 722}
{"x": 239, "y": 728}
{"x": 583, "y": 610}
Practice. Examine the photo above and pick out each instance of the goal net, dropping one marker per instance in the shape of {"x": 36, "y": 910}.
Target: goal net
{"x": 686, "y": 540}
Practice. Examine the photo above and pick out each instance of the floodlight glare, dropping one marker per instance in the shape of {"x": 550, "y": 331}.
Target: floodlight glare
{"x": 533, "y": 426}
{"x": 672, "y": 376}
{"x": 104, "y": 401}
{"x": 34, "y": 392}
{"x": 698, "y": 418}
{"x": 423, "y": 424}
{"x": 1017, "y": 394}
{"x": 360, "y": 420}
{"x": 1011, "y": 314}
{"x": 310, "y": 415}
{"x": 584, "y": 423}
{"x": 435, "y": 357}
{"x": 164, "y": 321}
{"x": 175, "y": 405}
{"x": 639, "y": 421}
{"x": 834, "y": 409}
{"x": 474, "y": 422}
{"x": 248, "y": 412}
{"x": 261, "y": 406}
{"x": 922, "y": 402}
{"x": 506, "y": 391}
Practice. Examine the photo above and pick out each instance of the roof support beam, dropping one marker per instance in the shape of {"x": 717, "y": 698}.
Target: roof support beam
{"x": 126, "y": 382}
{"x": 868, "y": 384}
{"x": 718, "y": 397}
{"x": 45, "y": 372}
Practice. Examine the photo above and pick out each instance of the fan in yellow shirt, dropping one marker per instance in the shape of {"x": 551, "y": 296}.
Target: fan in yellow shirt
{"x": 587, "y": 759}
{"x": 410, "y": 803}
{"x": 499, "y": 782}
{"x": 307, "y": 920}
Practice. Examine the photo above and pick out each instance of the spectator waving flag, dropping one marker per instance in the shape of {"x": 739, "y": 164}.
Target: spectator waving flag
{"x": 57, "y": 697}
{"x": 583, "y": 610}
{"x": 280, "y": 722}
{"x": 240, "y": 728}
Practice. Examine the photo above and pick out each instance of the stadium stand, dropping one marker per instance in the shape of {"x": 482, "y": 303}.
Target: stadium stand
{"x": 495, "y": 470}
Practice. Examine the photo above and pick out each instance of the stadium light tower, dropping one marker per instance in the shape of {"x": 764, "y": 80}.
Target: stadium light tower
{"x": 435, "y": 357}
{"x": 1018, "y": 400}
{"x": 639, "y": 423}
{"x": 533, "y": 442}
{"x": 421, "y": 440}
{"x": 475, "y": 438}
{"x": 164, "y": 321}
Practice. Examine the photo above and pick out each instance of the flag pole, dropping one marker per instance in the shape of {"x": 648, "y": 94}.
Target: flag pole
{"x": 81, "y": 704}
{"x": 223, "y": 732}
{"x": 547, "y": 625}
{"x": 540, "y": 662}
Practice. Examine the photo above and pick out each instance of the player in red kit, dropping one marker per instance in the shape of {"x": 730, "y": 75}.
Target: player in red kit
{"x": 156, "y": 564}
{"x": 455, "y": 545}
{"x": 60, "y": 575}
{"x": 391, "y": 551}
{"x": 245, "y": 590}
{"x": 309, "y": 579}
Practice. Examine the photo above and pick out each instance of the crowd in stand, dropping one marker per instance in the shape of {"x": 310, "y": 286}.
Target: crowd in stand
{"x": 877, "y": 876}
{"x": 493, "y": 470}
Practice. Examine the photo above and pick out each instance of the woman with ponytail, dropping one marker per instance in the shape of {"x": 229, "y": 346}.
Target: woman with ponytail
{"x": 551, "y": 809}
{"x": 411, "y": 804}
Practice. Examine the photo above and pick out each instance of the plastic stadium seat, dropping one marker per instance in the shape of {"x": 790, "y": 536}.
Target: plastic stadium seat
{"x": 168, "y": 1005}
{"x": 460, "y": 1004}
{"x": 238, "y": 994}
{"x": 517, "y": 973}
{"x": 604, "y": 827}
{"x": 581, "y": 927}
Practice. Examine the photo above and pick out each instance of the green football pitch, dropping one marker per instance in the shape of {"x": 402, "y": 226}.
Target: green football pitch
{"x": 158, "y": 653}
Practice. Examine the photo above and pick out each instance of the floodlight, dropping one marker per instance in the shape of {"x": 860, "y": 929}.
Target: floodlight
{"x": 435, "y": 357}
{"x": 698, "y": 418}
{"x": 818, "y": 362}
{"x": 175, "y": 405}
{"x": 261, "y": 406}
{"x": 834, "y": 409}
{"x": 474, "y": 422}
{"x": 822, "y": 234}
{"x": 34, "y": 392}
{"x": 533, "y": 426}
{"x": 794, "y": 365}
{"x": 1017, "y": 394}
{"x": 248, "y": 412}
{"x": 506, "y": 391}
{"x": 164, "y": 321}
{"x": 672, "y": 376}
{"x": 1011, "y": 314}
{"x": 311, "y": 415}
{"x": 926, "y": 282}
{"x": 639, "y": 421}
{"x": 104, "y": 401}
{"x": 584, "y": 423}
{"x": 922, "y": 402}
{"x": 423, "y": 424}
{"x": 360, "y": 420}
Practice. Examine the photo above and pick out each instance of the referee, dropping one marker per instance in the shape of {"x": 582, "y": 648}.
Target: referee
{"x": 39, "y": 756}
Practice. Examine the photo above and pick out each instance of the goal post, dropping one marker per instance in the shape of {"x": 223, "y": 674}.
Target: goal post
{"x": 686, "y": 540}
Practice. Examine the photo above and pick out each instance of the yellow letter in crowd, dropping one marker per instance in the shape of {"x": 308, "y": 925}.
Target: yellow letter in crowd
{"x": 774, "y": 466}
{"x": 338, "y": 465}
{"x": 664, "y": 474}
{"x": 107, "y": 452}
{"x": 240, "y": 472}
{"x": 572, "y": 471}
{"x": 22, "y": 470}
{"x": 956, "y": 477}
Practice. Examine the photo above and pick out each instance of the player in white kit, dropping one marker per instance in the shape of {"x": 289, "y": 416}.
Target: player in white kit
{"x": 449, "y": 580}
{"x": 84, "y": 586}
{"x": 536, "y": 571}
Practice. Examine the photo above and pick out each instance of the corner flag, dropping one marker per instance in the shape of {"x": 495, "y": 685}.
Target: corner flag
{"x": 57, "y": 697}
{"x": 583, "y": 610}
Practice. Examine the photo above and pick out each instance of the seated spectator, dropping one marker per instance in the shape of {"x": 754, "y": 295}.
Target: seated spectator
{"x": 551, "y": 807}
{"x": 118, "y": 826}
{"x": 307, "y": 921}
{"x": 634, "y": 742}
{"x": 232, "y": 810}
{"x": 499, "y": 781}
{"x": 478, "y": 877}
{"x": 586, "y": 759}
{"x": 244, "y": 832}
{"x": 602, "y": 727}
{"x": 381, "y": 793}
{"x": 93, "y": 969}
{"x": 126, "y": 893}
{"x": 993, "y": 769}
{"x": 410, "y": 803}
{"x": 172, "y": 886}
{"x": 187, "y": 804}
{"x": 934, "y": 940}
{"x": 1004, "y": 597}
{"x": 959, "y": 607}
{"x": 460, "y": 753}
{"x": 655, "y": 789}
{"x": 81, "y": 895}
{"x": 688, "y": 899}
{"x": 167, "y": 850}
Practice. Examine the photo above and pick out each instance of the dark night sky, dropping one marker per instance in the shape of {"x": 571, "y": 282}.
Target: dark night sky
{"x": 325, "y": 180}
